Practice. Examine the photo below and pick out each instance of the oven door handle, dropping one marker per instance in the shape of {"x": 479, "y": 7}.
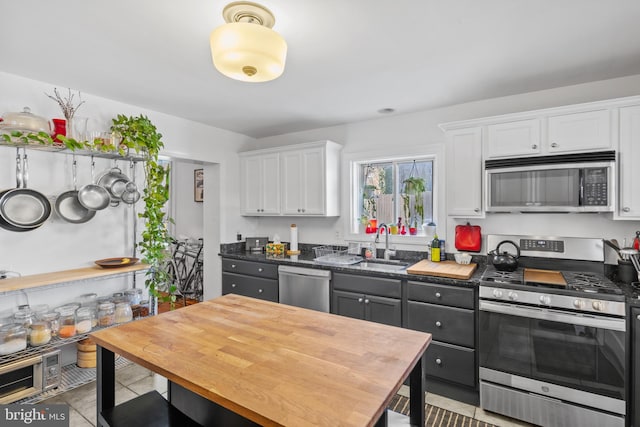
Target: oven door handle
{"x": 555, "y": 316}
{"x": 22, "y": 363}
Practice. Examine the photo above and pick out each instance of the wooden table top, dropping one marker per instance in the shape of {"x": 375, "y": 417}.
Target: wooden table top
{"x": 272, "y": 363}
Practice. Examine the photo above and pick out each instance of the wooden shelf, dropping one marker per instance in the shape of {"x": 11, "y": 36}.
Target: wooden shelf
{"x": 45, "y": 279}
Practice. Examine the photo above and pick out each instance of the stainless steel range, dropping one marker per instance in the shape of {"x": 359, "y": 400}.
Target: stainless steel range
{"x": 552, "y": 335}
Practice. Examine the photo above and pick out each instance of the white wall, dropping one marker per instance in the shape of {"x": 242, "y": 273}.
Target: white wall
{"x": 419, "y": 130}
{"x": 58, "y": 245}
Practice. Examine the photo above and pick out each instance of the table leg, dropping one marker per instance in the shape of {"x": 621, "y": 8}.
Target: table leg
{"x": 105, "y": 382}
{"x": 416, "y": 394}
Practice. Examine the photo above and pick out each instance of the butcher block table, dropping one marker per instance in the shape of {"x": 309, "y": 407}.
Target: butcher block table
{"x": 269, "y": 364}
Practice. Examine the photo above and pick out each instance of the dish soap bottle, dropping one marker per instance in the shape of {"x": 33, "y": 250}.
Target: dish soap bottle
{"x": 435, "y": 249}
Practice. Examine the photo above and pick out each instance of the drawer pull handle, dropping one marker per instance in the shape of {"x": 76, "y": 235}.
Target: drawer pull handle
{"x": 438, "y": 361}
{"x": 366, "y": 301}
{"x": 438, "y": 324}
{"x": 259, "y": 291}
{"x": 626, "y": 209}
{"x": 534, "y": 146}
{"x": 233, "y": 266}
{"x": 554, "y": 145}
{"x": 438, "y": 295}
{"x": 359, "y": 299}
{"x": 233, "y": 285}
{"x": 260, "y": 270}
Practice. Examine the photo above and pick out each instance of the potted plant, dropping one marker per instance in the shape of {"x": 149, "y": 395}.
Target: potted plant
{"x": 139, "y": 134}
{"x": 369, "y": 205}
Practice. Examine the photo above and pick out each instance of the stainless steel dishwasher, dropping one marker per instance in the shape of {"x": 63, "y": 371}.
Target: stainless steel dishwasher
{"x": 304, "y": 287}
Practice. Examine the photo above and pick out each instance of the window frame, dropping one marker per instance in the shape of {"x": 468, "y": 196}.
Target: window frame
{"x": 352, "y": 198}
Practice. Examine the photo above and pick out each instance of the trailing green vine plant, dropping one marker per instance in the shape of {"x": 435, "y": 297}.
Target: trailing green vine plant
{"x": 139, "y": 134}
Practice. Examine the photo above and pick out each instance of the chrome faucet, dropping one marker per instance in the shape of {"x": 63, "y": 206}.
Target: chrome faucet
{"x": 388, "y": 253}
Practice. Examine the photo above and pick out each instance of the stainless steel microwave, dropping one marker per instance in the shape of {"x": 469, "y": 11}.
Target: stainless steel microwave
{"x": 564, "y": 183}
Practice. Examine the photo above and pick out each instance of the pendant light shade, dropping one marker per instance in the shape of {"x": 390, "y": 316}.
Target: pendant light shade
{"x": 246, "y": 48}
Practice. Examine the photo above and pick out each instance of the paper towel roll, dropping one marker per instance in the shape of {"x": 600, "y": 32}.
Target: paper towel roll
{"x": 293, "y": 243}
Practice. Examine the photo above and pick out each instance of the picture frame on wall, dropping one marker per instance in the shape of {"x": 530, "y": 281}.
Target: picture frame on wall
{"x": 198, "y": 185}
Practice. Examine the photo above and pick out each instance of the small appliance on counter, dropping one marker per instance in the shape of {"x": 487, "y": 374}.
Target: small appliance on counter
{"x": 256, "y": 244}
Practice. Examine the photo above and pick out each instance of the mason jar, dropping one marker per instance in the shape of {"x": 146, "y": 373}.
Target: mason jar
{"x": 106, "y": 314}
{"x": 39, "y": 333}
{"x": 52, "y": 318}
{"x": 134, "y": 296}
{"x": 23, "y": 317}
{"x": 83, "y": 320}
{"x": 86, "y": 300}
{"x": 13, "y": 338}
{"x": 67, "y": 323}
{"x": 123, "y": 312}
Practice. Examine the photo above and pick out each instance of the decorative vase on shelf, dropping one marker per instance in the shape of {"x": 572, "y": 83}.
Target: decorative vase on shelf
{"x": 59, "y": 128}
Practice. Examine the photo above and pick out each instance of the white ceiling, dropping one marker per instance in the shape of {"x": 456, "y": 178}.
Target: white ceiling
{"x": 346, "y": 58}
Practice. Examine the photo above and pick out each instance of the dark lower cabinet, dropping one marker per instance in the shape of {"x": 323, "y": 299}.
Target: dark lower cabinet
{"x": 250, "y": 279}
{"x": 635, "y": 367}
{"x": 368, "y": 307}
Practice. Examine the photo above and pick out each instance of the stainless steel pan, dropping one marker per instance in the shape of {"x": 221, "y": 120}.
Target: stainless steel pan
{"x": 68, "y": 206}
{"x": 114, "y": 181}
{"x": 93, "y": 196}
{"x": 21, "y": 208}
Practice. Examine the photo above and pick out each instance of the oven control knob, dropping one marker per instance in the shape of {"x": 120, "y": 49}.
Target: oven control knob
{"x": 53, "y": 370}
{"x": 578, "y": 303}
{"x": 497, "y": 293}
{"x": 545, "y": 300}
{"x": 598, "y": 305}
{"x": 513, "y": 296}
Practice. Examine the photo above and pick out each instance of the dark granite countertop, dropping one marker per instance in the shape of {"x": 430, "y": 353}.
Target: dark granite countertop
{"x": 306, "y": 260}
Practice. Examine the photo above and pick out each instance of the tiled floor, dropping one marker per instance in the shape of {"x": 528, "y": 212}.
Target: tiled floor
{"x": 134, "y": 380}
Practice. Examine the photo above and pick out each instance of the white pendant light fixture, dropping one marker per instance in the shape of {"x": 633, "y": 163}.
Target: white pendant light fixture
{"x": 246, "y": 48}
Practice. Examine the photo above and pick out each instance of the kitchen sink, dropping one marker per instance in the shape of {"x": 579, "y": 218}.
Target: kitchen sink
{"x": 383, "y": 265}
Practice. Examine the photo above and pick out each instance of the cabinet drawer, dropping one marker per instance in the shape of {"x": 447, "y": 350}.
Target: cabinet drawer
{"x": 451, "y": 363}
{"x": 448, "y": 324}
{"x": 441, "y": 294}
{"x": 367, "y": 285}
{"x": 259, "y": 269}
{"x": 256, "y": 287}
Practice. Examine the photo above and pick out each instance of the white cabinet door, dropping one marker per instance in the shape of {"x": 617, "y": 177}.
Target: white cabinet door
{"x": 629, "y": 163}
{"x": 464, "y": 172}
{"x": 260, "y": 184}
{"x": 519, "y": 138}
{"x": 587, "y": 131}
{"x": 303, "y": 175}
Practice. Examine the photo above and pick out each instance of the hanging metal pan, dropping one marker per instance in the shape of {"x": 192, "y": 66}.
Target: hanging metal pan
{"x": 68, "y": 206}
{"x": 23, "y": 209}
{"x": 114, "y": 181}
{"x": 93, "y": 196}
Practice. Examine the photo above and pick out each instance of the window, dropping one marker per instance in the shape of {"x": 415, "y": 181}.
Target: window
{"x": 398, "y": 193}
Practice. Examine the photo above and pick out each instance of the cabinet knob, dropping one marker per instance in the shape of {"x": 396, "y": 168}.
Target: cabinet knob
{"x": 476, "y": 210}
{"x": 438, "y": 361}
{"x": 233, "y": 285}
{"x": 359, "y": 299}
{"x": 260, "y": 269}
{"x": 554, "y": 145}
{"x": 233, "y": 266}
{"x": 638, "y": 317}
{"x": 259, "y": 291}
{"x": 534, "y": 147}
{"x": 258, "y": 210}
{"x": 626, "y": 209}
{"x": 298, "y": 209}
{"x": 366, "y": 301}
{"x": 304, "y": 210}
{"x": 438, "y": 323}
{"x": 438, "y": 295}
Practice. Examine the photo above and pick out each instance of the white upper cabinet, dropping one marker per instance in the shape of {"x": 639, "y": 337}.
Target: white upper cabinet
{"x": 260, "y": 189}
{"x": 464, "y": 172}
{"x": 629, "y": 163}
{"x": 585, "y": 131}
{"x": 306, "y": 180}
{"x": 518, "y": 138}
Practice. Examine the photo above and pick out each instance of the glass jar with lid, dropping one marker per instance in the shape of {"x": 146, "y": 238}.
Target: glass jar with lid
{"x": 67, "y": 323}
{"x": 123, "y": 312}
{"x": 13, "y": 338}
{"x": 23, "y": 317}
{"x": 106, "y": 314}
{"x": 71, "y": 306}
{"x": 84, "y": 320}
{"x": 39, "y": 309}
{"x": 86, "y": 300}
{"x": 52, "y": 318}
{"x": 39, "y": 333}
{"x": 134, "y": 296}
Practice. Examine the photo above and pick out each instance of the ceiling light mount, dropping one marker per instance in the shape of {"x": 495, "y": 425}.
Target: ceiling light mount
{"x": 246, "y": 48}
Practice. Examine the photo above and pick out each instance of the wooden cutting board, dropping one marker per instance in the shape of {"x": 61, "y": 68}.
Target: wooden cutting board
{"x": 549, "y": 277}
{"x": 449, "y": 269}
